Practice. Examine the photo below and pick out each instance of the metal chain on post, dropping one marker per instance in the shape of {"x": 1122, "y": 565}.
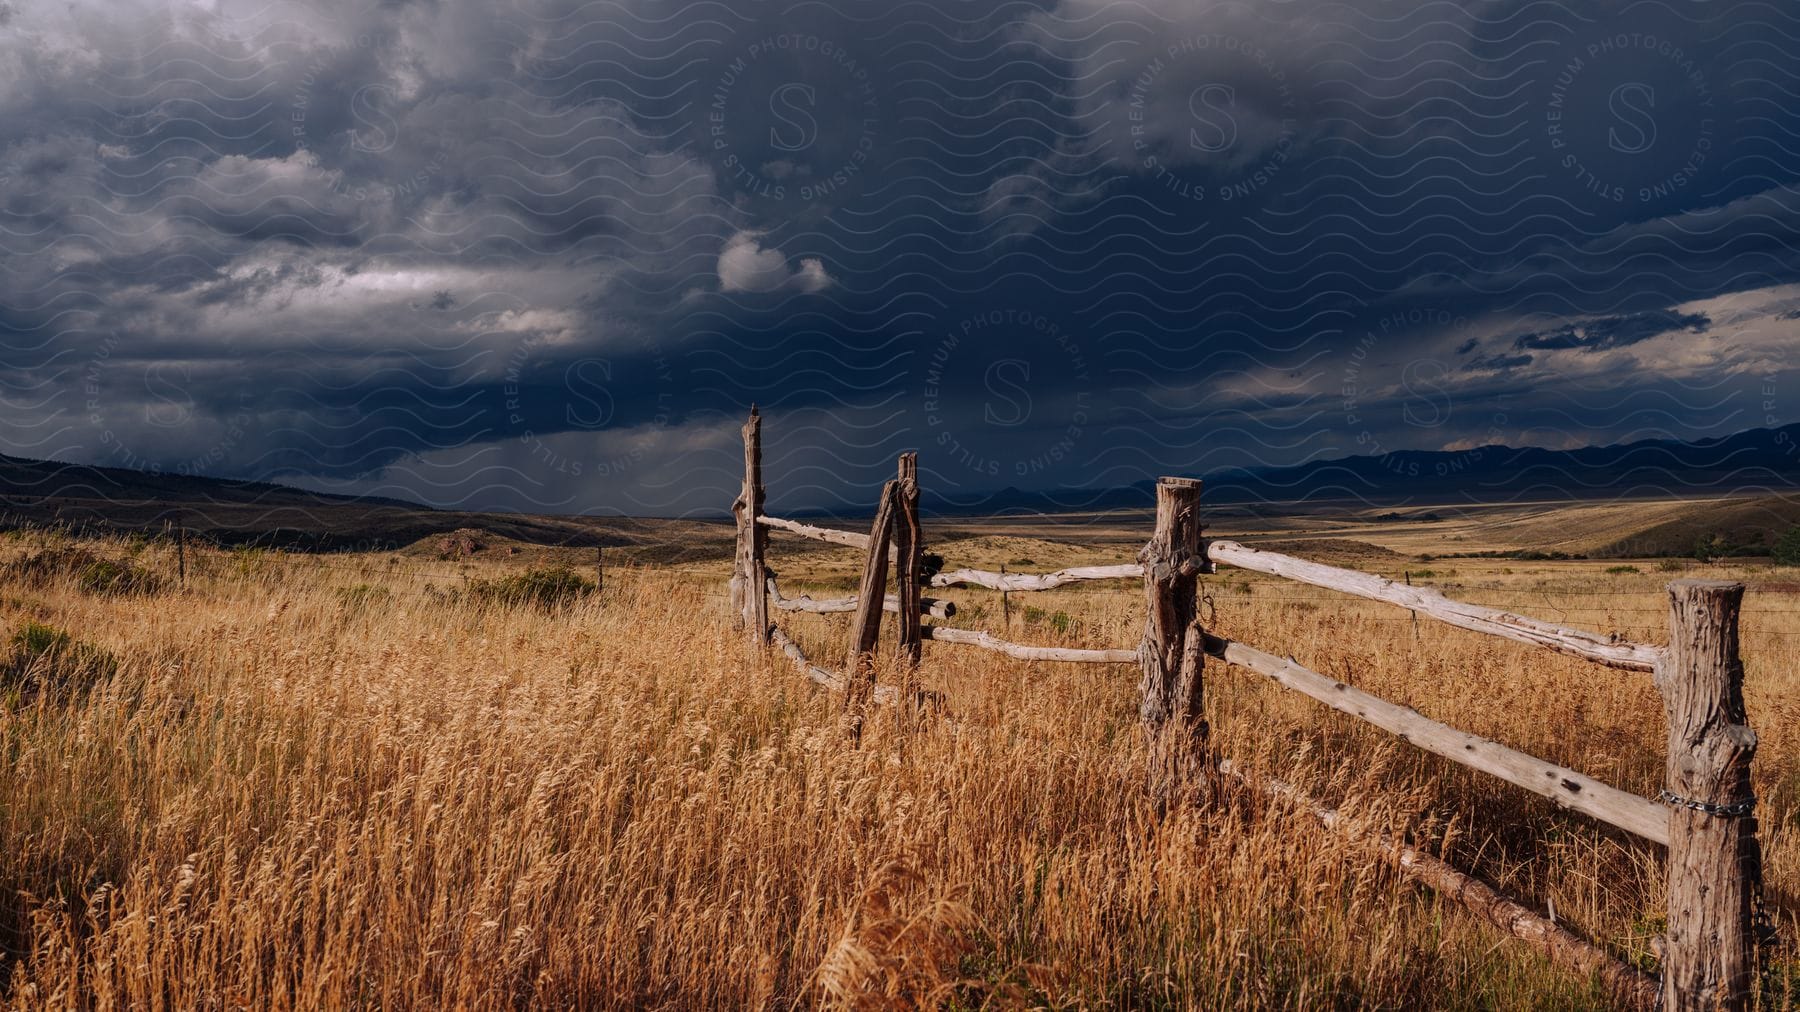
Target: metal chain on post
{"x": 1761, "y": 920}
{"x": 1735, "y": 809}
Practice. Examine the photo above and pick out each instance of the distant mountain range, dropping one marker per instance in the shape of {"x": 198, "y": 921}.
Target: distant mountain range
{"x": 237, "y": 512}
{"x": 1753, "y": 460}
{"x": 228, "y": 512}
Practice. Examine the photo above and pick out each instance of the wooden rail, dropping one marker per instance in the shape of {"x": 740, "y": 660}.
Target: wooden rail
{"x": 1624, "y": 983}
{"x": 1036, "y": 581}
{"x": 833, "y": 605}
{"x": 849, "y": 539}
{"x": 1569, "y": 789}
{"x": 883, "y": 694}
{"x": 1703, "y": 815}
{"x": 974, "y": 577}
{"x": 1575, "y": 642}
{"x": 970, "y": 637}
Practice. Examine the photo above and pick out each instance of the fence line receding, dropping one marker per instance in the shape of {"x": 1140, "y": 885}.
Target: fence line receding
{"x": 1703, "y": 815}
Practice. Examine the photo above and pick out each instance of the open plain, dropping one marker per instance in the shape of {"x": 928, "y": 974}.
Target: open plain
{"x": 395, "y": 779}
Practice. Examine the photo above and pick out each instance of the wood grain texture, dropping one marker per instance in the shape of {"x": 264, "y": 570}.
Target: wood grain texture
{"x": 865, "y": 622}
{"x": 1714, "y": 860}
{"x": 1170, "y": 662}
{"x": 1036, "y": 581}
{"x": 750, "y": 573}
{"x": 849, "y": 539}
{"x": 908, "y": 559}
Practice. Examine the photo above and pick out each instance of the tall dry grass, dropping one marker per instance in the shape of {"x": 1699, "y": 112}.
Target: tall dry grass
{"x": 337, "y": 783}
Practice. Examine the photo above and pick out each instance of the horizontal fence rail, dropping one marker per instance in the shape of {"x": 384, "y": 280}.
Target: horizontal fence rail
{"x": 970, "y": 637}
{"x": 1036, "y": 581}
{"x": 849, "y": 539}
{"x": 1571, "y": 790}
{"x": 1479, "y": 618}
{"x": 832, "y": 605}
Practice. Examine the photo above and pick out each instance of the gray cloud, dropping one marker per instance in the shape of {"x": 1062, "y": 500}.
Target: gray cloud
{"x": 462, "y": 248}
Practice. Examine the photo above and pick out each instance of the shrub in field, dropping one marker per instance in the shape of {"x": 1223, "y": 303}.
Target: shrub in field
{"x": 42, "y": 658}
{"x": 1060, "y": 620}
{"x": 105, "y": 576}
{"x": 547, "y": 587}
{"x": 92, "y": 573}
{"x": 359, "y": 597}
{"x": 1621, "y": 570}
{"x": 248, "y": 560}
{"x": 1787, "y": 548}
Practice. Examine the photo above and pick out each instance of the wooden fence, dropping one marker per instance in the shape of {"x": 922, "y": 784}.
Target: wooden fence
{"x": 1703, "y": 816}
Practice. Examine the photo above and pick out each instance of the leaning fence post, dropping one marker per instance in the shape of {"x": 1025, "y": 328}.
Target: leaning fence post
{"x": 1714, "y": 858}
{"x": 1170, "y": 656}
{"x": 865, "y": 625}
{"x": 750, "y": 576}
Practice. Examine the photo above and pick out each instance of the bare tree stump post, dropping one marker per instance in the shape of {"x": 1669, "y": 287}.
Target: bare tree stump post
{"x": 865, "y": 624}
{"x": 909, "y": 582}
{"x": 909, "y": 589}
{"x": 750, "y": 577}
{"x": 1714, "y": 858}
{"x": 1171, "y": 652}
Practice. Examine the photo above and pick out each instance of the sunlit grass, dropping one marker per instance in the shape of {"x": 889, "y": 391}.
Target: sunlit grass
{"x": 348, "y": 781}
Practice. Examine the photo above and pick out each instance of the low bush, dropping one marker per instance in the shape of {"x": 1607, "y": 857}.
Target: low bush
{"x": 357, "y": 598}
{"x": 548, "y": 587}
{"x": 1787, "y": 548}
{"x": 92, "y": 573}
{"x": 42, "y": 659}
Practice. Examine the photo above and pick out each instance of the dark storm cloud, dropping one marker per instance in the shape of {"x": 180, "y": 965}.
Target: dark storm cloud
{"x": 1614, "y": 331}
{"x": 543, "y": 253}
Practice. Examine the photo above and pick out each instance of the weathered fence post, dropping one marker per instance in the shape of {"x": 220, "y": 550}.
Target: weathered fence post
{"x": 909, "y": 589}
{"x": 1714, "y": 858}
{"x": 181, "y": 554}
{"x": 599, "y": 568}
{"x": 1170, "y": 653}
{"x": 909, "y": 583}
{"x": 750, "y": 577}
{"x": 1005, "y": 602}
{"x": 865, "y": 624}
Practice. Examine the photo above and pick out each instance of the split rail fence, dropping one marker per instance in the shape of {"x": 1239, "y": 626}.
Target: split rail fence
{"x": 1703, "y": 816}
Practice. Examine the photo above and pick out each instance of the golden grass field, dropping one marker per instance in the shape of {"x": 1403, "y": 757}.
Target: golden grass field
{"x": 342, "y": 781}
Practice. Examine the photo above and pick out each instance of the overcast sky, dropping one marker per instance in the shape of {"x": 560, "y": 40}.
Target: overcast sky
{"x": 543, "y": 254}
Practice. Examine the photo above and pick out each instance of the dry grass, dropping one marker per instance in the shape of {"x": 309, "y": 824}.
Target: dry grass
{"x": 336, "y": 782}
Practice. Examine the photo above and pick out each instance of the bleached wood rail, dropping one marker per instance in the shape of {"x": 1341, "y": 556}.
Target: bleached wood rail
{"x": 832, "y": 605}
{"x": 1426, "y": 601}
{"x": 1560, "y": 784}
{"x": 1703, "y": 815}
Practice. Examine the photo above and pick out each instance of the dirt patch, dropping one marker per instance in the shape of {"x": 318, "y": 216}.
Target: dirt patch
{"x": 1333, "y": 550}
